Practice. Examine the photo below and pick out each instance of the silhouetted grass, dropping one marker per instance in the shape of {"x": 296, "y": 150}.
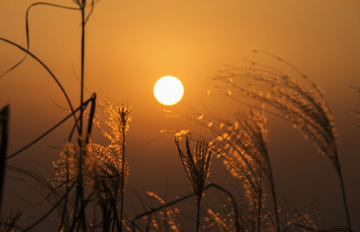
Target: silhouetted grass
{"x": 8, "y": 224}
{"x": 93, "y": 176}
{"x": 304, "y": 106}
{"x": 196, "y": 165}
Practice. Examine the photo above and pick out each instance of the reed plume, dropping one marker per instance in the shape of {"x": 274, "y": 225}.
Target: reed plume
{"x": 305, "y": 107}
{"x": 196, "y": 165}
{"x": 104, "y": 169}
{"x": 247, "y": 140}
{"x": 119, "y": 118}
{"x": 244, "y": 147}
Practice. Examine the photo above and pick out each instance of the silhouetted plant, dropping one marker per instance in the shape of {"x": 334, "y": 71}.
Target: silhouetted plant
{"x": 196, "y": 165}
{"x": 243, "y": 145}
{"x": 102, "y": 171}
{"x": 305, "y": 107}
{"x": 4, "y": 131}
{"x": 163, "y": 220}
{"x": 86, "y": 8}
{"x": 119, "y": 118}
{"x": 169, "y": 204}
{"x": 8, "y": 224}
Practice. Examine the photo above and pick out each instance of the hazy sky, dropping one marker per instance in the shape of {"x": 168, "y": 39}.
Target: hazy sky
{"x": 131, "y": 44}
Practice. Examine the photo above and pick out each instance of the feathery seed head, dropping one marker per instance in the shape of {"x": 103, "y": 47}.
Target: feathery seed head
{"x": 196, "y": 163}
{"x": 304, "y": 106}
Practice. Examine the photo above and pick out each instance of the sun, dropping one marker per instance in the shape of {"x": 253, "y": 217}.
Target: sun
{"x": 168, "y": 90}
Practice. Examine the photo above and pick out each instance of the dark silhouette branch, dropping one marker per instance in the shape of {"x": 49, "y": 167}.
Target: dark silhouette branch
{"x": 47, "y": 69}
{"x": 50, "y": 130}
{"x": 188, "y": 196}
{"x": 28, "y": 32}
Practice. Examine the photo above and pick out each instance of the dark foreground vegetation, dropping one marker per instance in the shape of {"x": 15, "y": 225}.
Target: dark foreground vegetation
{"x": 87, "y": 191}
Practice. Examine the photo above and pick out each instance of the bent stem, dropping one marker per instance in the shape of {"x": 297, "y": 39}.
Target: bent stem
{"x": 272, "y": 183}
{"x": 47, "y": 69}
{"x": 124, "y": 113}
{"x": 236, "y": 212}
{"x": 122, "y": 176}
{"x": 80, "y": 189}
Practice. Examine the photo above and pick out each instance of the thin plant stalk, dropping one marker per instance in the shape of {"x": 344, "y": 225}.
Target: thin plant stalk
{"x": 50, "y": 130}
{"x": 344, "y": 197}
{"x": 80, "y": 190}
{"x": 123, "y": 128}
{"x": 272, "y": 183}
{"x": 47, "y": 69}
{"x": 198, "y": 215}
{"x": 49, "y": 212}
{"x": 64, "y": 213}
{"x": 28, "y": 32}
{"x": 260, "y": 199}
{"x": 4, "y": 123}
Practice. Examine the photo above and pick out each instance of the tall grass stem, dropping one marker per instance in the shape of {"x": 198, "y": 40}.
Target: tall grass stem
{"x": 4, "y": 126}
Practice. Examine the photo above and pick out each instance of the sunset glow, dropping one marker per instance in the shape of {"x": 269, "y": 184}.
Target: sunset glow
{"x": 98, "y": 134}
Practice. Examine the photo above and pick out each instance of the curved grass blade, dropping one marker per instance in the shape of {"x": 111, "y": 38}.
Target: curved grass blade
{"x": 236, "y": 212}
{"x": 50, "y": 130}
{"x": 28, "y": 33}
{"x": 47, "y": 69}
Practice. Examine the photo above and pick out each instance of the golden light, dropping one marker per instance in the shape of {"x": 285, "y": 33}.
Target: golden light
{"x": 168, "y": 90}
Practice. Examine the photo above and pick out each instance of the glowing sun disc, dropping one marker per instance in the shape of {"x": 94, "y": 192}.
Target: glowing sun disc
{"x": 168, "y": 90}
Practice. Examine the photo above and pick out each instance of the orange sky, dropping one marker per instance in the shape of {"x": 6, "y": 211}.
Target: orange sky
{"x": 131, "y": 44}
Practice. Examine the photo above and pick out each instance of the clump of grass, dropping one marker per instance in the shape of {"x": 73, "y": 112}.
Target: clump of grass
{"x": 52, "y": 194}
{"x": 102, "y": 176}
{"x": 119, "y": 118}
{"x": 305, "y": 107}
{"x": 103, "y": 171}
{"x": 8, "y": 224}
{"x": 244, "y": 147}
{"x": 196, "y": 165}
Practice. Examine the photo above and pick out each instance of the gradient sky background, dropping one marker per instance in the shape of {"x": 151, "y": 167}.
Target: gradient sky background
{"x": 131, "y": 44}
